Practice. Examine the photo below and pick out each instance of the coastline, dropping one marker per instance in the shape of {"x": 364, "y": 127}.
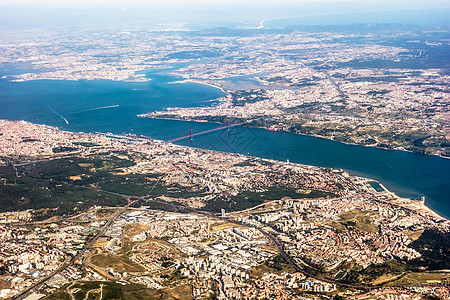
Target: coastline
{"x": 369, "y": 146}
{"x": 401, "y": 201}
{"x": 218, "y": 86}
{"x": 222, "y": 89}
{"x": 407, "y": 203}
{"x": 146, "y": 115}
{"x": 202, "y": 82}
{"x": 411, "y": 204}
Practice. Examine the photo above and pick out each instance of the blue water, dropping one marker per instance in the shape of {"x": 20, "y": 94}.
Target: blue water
{"x": 434, "y": 17}
{"x": 48, "y": 102}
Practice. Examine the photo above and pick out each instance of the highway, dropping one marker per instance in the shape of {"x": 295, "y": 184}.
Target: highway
{"x": 267, "y": 234}
{"x": 270, "y": 236}
{"x": 37, "y": 286}
{"x": 335, "y": 85}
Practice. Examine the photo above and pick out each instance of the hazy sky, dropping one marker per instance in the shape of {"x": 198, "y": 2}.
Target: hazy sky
{"x": 211, "y": 13}
{"x": 214, "y": 2}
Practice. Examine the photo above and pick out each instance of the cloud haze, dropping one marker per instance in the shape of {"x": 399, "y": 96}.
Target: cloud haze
{"x": 200, "y": 13}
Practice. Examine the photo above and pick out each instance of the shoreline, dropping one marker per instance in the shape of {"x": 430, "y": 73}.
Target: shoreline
{"x": 201, "y": 82}
{"x": 299, "y": 133}
{"x": 368, "y": 146}
{"x": 217, "y": 86}
{"x": 400, "y": 201}
{"x": 419, "y": 208}
{"x": 411, "y": 204}
{"x": 313, "y": 135}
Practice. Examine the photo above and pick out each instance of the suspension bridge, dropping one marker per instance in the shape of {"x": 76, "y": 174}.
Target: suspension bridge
{"x": 191, "y": 135}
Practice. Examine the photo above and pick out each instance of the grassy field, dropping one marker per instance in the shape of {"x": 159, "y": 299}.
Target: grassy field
{"x": 373, "y": 274}
{"x": 336, "y": 225}
{"x": 221, "y": 226}
{"x": 118, "y": 263}
{"x": 4, "y": 284}
{"x": 128, "y": 233}
{"x": 100, "y": 242}
{"x": 156, "y": 244}
{"x": 104, "y": 213}
{"x": 266, "y": 207}
{"x": 358, "y": 219}
{"x": 414, "y": 235}
{"x": 276, "y": 264}
{"x": 423, "y": 277}
{"x": 133, "y": 229}
{"x": 384, "y": 278}
{"x": 111, "y": 290}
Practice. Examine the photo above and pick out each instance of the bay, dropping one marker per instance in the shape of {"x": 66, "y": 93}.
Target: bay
{"x": 106, "y": 106}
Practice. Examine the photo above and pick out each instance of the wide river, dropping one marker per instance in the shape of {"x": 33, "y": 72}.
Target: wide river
{"x": 105, "y": 106}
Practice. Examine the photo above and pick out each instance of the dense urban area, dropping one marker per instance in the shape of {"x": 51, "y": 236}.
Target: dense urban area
{"x": 120, "y": 216}
{"x": 87, "y": 216}
{"x": 383, "y": 85}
